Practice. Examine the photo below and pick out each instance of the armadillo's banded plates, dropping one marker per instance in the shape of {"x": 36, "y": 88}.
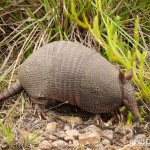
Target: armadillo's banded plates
{"x": 55, "y": 71}
{"x": 73, "y": 73}
{"x": 100, "y": 86}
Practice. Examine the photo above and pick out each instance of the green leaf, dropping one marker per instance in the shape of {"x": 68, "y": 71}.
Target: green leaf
{"x": 47, "y": 6}
{"x": 96, "y": 26}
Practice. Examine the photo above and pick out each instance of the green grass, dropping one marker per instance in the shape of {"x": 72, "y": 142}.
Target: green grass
{"x": 7, "y": 132}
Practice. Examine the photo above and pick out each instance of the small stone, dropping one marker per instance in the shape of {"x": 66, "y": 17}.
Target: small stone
{"x": 139, "y": 137}
{"x": 113, "y": 147}
{"x": 105, "y": 142}
{"x": 51, "y": 126}
{"x": 88, "y": 148}
{"x": 69, "y": 142}
{"x": 66, "y": 128}
{"x": 107, "y": 134}
{"x": 75, "y": 143}
{"x": 72, "y": 120}
{"x": 91, "y": 128}
{"x": 61, "y": 134}
{"x": 100, "y": 147}
{"x": 45, "y": 145}
{"x": 52, "y": 137}
{"x": 89, "y": 138}
{"x": 68, "y": 138}
{"x": 73, "y": 133}
{"x": 4, "y": 146}
{"x": 119, "y": 131}
{"x": 132, "y": 147}
{"x": 41, "y": 138}
{"x": 59, "y": 144}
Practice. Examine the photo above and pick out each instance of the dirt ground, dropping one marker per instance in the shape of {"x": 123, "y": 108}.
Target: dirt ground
{"x": 67, "y": 127}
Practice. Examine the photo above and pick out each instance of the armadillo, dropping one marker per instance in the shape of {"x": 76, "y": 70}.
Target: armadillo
{"x": 70, "y": 72}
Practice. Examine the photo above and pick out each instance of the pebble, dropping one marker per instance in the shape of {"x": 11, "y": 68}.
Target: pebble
{"x": 59, "y": 144}
{"x": 105, "y": 142}
{"x": 91, "y": 128}
{"x": 51, "y": 126}
{"x": 74, "y": 133}
{"x": 52, "y": 137}
{"x": 100, "y": 147}
{"x": 66, "y": 127}
{"x": 107, "y": 134}
{"x": 45, "y": 145}
{"x": 89, "y": 138}
{"x": 4, "y": 146}
{"x": 140, "y": 137}
{"x": 75, "y": 143}
{"x": 119, "y": 131}
{"x": 68, "y": 138}
{"x": 132, "y": 147}
{"x": 61, "y": 134}
{"x": 72, "y": 120}
{"x": 88, "y": 148}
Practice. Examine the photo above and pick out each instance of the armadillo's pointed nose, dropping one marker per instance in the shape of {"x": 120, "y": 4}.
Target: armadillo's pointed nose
{"x": 135, "y": 112}
{"x": 132, "y": 106}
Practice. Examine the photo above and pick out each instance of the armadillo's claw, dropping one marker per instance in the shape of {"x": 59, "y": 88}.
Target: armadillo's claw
{"x": 100, "y": 122}
{"x": 37, "y": 108}
{"x": 98, "y": 119}
{"x": 120, "y": 116}
{"x": 40, "y": 112}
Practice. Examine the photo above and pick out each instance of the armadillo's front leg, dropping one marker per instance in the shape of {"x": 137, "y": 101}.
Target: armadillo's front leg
{"x": 38, "y": 109}
{"x": 118, "y": 115}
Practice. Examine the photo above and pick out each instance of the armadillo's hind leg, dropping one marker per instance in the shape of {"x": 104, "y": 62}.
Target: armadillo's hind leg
{"x": 38, "y": 108}
{"x": 40, "y": 112}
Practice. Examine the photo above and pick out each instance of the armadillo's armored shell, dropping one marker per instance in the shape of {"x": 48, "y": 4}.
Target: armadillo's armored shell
{"x": 68, "y": 71}
{"x": 100, "y": 86}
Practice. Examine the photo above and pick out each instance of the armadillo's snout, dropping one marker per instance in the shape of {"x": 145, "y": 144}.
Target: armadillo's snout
{"x": 132, "y": 106}
{"x": 135, "y": 111}
{"x": 129, "y": 97}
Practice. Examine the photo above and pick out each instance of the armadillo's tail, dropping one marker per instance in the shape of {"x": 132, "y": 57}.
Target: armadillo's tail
{"x": 11, "y": 91}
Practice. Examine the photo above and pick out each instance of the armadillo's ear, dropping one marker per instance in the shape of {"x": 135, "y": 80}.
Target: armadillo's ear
{"x": 122, "y": 77}
{"x": 129, "y": 75}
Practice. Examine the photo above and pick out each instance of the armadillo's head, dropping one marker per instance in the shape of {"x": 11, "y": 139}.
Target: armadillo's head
{"x": 128, "y": 93}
